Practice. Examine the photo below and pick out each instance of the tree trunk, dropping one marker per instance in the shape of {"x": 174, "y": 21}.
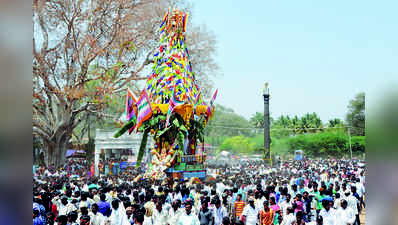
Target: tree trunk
{"x": 57, "y": 150}
{"x": 47, "y": 151}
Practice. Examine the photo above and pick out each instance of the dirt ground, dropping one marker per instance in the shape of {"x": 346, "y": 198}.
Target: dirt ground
{"x": 362, "y": 216}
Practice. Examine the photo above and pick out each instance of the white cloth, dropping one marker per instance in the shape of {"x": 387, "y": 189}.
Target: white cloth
{"x": 337, "y": 203}
{"x": 259, "y": 204}
{"x": 288, "y": 219}
{"x": 323, "y": 177}
{"x": 118, "y": 216}
{"x": 283, "y": 205}
{"x": 360, "y": 188}
{"x": 97, "y": 219}
{"x": 345, "y": 216}
{"x": 329, "y": 217}
{"x": 147, "y": 221}
{"x": 84, "y": 204}
{"x": 251, "y": 215}
{"x": 220, "y": 187}
{"x": 174, "y": 215}
{"x": 219, "y": 214}
{"x": 191, "y": 219}
{"x": 352, "y": 203}
{"x": 160, "y": 218}
{"x": 177, "y": 196}
{"x": 65, "y": 209}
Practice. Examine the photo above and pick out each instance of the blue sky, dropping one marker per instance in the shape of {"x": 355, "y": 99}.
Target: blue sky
{"x": 316, "y": 55}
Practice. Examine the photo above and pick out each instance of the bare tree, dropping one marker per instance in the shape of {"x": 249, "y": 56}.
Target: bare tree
{"x": 84, "y": 52}
{"x": 202, "y": 44}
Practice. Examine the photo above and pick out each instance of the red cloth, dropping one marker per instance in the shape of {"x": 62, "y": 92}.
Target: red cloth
{"x": 54, "y": 210}
{"x": 92, "y": 170}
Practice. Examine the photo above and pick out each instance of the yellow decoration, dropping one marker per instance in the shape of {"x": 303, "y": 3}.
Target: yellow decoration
{"x": 163, "y": 107}
{"x": 212, "y": 113}
{"x": 185, "y": 109}
{"x": 201, "y": 109}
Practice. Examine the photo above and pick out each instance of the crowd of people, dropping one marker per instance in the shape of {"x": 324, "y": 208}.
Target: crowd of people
{"x": 329, "y": 192}
{"x": 82, "y": 168}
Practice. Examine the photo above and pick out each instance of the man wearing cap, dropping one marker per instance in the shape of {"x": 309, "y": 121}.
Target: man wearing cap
{"x": 250, "y": 213}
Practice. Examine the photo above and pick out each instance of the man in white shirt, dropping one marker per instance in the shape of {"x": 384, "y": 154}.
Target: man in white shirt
{"x": 352, "y": 203}
{"x": 250, "y": 213}
{"x": 220, "y": 187}
{"x": 95, "y": 217}
{"x": 337, "y": 201}
{"x": 257, "y": 202}
{"x": 289, "y": 217}
{"x": 345, "y": 215}
{"x": 360, "y": 191}
{"x": 174, "y": 213}
{"x": 64, "y": 207}
{"x": 285, "y": 204}
{"x": 188, "y": 218}
{"x": 159, "y": 214}
{"x": 328, "y": 213}
{"x": 219, "y": 213}
{"x": 176, "y": 195}
{"x": 323, "y": 176}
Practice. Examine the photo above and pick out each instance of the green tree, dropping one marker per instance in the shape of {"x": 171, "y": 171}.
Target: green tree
{"x": 320, "y": 144}
{"x": 257, "y": 120}
{"x": 279, "y": 131}
{"x": 336, "y": 122}
{"x": 282, "y": 121}
{"x": 358, "y": 144}
{"x": 295, "y": 125}
{"x": 355, "y": 117}
{"x": 224, "y": 124}
{"x": 311, "y": 123}
{"x": 237, "y": 145}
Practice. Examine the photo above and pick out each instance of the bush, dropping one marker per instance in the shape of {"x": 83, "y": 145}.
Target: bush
{"x": 334, "y": 144}
{"x": 358, "y": 144}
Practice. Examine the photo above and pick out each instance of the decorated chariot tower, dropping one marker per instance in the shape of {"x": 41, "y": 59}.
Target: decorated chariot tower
{"x": 170, "y": 109}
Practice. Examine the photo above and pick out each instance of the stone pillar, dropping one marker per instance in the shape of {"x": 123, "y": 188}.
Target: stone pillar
{"x": 96, "y": 161}
{"x": 267, "y": 139}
